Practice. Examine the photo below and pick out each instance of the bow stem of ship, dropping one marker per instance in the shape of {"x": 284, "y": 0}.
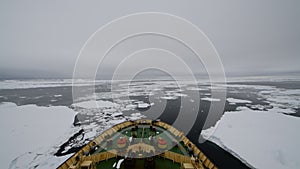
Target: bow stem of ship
{"x": 141, "y": 144}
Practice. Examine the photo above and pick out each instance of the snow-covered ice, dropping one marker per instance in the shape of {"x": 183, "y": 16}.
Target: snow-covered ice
{"x": 233, "y": 100}
{"x": 24, "y": 84}
{"x": 130, "y": 107}
{"x": 289, "y": 98}
{"x": 136, "y": 116}
{"x": 30, "y": 130}
{"x": 196, "y": 88}
{"x": 119, "y": 163}
{"x": 143, "y": 105}
{"x": 264, "y": 139}
{"x": 169, "y": 97}
{"x": 96, "y": 104}
{"x": 211, "y": 99}
{"x": 117, "y": 114}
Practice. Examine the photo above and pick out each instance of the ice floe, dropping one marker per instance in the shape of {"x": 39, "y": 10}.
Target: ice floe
{"x": 264, "y": 139}
{"x": 196, "y": 88}
{"x": 29, "y": 134}
{"x": 233, "y": 100}
{"x": 117, "y": 114}
{"x": 143, "y": 105}
{"x": 169, "y": 97}
{"x": 38, "y": 83}
{"x": 289, "y": 98}
{"x": 96, "y": 104}
{"x": 211, "y": 99}
{"x": 135, "y": 116}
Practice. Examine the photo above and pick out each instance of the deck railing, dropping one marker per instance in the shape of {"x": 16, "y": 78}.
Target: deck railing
{"x": 100, "y": 157}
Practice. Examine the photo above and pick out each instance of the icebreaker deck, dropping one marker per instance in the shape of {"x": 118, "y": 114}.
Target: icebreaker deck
{"x": 140, "y": 144}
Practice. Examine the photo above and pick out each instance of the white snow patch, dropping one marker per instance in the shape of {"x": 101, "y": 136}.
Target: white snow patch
{"x": 266, "y": 92}
{"x": 180, "y": 95}
{"x": 119, "y": 163}
{"x": 143, "y": 105}
{"x": 196, "y": 88}
{"x": 130, "y": 107}
{"x": 136, "y": 116}
{"x": 211, "y": 99}
{"x": 233, "y": 100}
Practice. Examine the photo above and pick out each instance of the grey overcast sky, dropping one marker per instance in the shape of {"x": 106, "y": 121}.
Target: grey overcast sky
{"x": 43, "y": 38}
